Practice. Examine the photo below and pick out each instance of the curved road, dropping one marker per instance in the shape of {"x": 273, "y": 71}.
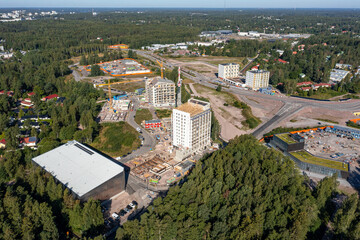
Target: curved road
{"x": 291, "y": 104}
{"x": 149, "y": 142}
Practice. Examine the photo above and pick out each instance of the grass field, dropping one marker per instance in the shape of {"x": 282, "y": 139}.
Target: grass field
{"x": 163, "y": 113}
{"x": 327, "y": 120}
{"x": 308, "y": 158}
{"x": 286, "y": 138}
{"x": 142, "y": 114}
{"x": 116, "y": 139}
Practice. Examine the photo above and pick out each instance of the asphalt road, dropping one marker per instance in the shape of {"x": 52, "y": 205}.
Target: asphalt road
{"x": 291, "y": 104}
{"x": 149, "y": 142}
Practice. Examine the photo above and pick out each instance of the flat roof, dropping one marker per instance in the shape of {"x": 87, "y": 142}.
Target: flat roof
{"x": 305, "y": 156}
{"x": 78, "y": 167}
{"x": 194, "y": 107}
{"x": 286, "y": 138}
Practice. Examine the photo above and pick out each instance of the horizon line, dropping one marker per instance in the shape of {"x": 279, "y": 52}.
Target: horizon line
{"x": 230, "y": 8}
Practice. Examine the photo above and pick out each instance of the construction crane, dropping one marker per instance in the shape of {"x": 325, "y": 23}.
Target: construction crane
{"x": 109, "y": 89}
{"x": 161, "y": 67}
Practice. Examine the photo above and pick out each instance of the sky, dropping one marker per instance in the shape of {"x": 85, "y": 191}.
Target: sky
{"x": 184, "y": 3}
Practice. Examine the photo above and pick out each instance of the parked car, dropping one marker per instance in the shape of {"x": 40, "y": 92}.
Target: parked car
{"x": 115, "y": 215}
{"x": 132, "y": 205}
{"x": 122, "y": 212}
{"x": 126, "y": 210}
{"x": 129, "y": 207}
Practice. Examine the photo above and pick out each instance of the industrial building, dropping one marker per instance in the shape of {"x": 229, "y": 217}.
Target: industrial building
{"x": 86, "y": 173}
{"x": 288, "y": 142}
{"x": 292, "y": 145}
{"x": 191, "y": 127}
{"x": 229, "y": 70}
{"x": 160, "y": 92}
{"x": 256, "y": 79}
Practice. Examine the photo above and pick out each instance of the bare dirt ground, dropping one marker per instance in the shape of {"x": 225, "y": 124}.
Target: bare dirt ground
{"x": 325, "y": 114}
{"x": 230, "y": 117}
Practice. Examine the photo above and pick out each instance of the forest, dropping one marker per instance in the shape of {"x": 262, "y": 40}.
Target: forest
{"x": 238, "y": 192}
{"x": 247, "y": 191}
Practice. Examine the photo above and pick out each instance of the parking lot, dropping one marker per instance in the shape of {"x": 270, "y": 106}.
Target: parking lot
{"x": 125, "y": 206}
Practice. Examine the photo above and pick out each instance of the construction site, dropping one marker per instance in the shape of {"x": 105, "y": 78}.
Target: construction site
{"x": 122, "y": 67}
{"x": 333, "y": 146}
{"x": 114, "y": 111}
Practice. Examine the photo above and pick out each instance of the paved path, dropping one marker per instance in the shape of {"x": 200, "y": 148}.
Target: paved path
{"x": 149, "y": 142}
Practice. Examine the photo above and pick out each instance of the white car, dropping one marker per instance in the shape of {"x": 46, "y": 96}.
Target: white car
{"x": 131, "y": 205}
{"x": 115, "y": 215}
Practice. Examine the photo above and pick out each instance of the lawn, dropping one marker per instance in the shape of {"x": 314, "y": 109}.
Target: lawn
{"x": 327, "y": 120}
{"x": 308, "y": 158}
{"x": 163, "y": 113}
{"x": 286, "y": 138}
{"x": 142, "y": 114}
{"x": 116, "y": 139}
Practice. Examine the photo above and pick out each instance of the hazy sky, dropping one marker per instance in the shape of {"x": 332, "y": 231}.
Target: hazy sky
{"x": 185, "y": 3}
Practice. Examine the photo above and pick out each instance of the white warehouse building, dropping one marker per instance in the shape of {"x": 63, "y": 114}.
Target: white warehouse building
{"x": 86, "y": 173}
{"x": 256, "y": 79}
{"x": 191, "y": 127}
{"x": 229, "y": 70}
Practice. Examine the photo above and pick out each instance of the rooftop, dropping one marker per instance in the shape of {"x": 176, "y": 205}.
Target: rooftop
{"x": 304, "y": 156}
{"x": 286, "y": 138}
{"x": 194, "y": 107}
{"x": 78, "y": 167}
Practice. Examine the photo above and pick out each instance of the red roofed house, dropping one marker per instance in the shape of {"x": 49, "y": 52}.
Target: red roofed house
{"x": 53, "y": 96}
{"x": 27, "y": 103}
{"x": 255, "y": 68}
{"x": 9, "y": 93}
{"x": 303, "y": 84}
{"x": 281, "y": 61}
{"x": 29, "y": 141}
{"x": 301, "y": 47}
{"x": 316, "y": 86}
{"x": 2, "y": 143}
{"x": 31, "y": 94}
{"x": 306, "y": 89}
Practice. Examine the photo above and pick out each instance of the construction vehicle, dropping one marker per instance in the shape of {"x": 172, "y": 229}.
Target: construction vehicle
{"x": 161, "y": 68}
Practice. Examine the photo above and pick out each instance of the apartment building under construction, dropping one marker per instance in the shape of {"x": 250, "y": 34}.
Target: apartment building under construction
{"x": 191, "y": 127}
{"x": 160, "y": 92}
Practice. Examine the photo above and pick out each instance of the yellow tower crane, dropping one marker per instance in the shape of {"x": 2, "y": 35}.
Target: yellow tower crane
{"x": 109, "y": 89}
{"x": 161, "y": 68}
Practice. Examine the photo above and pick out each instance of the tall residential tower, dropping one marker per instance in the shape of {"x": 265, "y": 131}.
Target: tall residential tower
{"x": 191, "y": 127}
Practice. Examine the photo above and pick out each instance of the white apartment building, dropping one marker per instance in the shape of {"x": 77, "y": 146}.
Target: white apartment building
{"x": 191, "y": 127}
{"x": 229, "y": 70}
{"x": 160, "y": 92}
{"x": 256, "y": 79}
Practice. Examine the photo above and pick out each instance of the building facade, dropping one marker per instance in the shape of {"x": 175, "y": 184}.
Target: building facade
{"x": 229, "y": 70}
{"x": 191, "y": 127}
{"x": 256, "y": 79}
{"x": 160, "y": 92}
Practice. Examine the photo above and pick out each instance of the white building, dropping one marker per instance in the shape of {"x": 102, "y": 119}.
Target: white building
{"x": 160, "y": 92}
{"x": 191, "y": 127}
{"x": 337, "y": 75}
{"x": 86, "y": 173}
{"x": 256, "y": 79}
{"x": 229, "y": 70}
